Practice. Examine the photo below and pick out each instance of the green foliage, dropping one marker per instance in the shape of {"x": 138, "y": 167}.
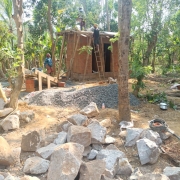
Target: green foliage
{"x": 156, "y": 97}
{"x": 87, "y": 49}
{"x": 113, "y": 40}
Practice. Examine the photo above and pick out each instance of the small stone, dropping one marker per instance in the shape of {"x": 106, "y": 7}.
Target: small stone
{"x": 109, "y": 140}
{"x": 106, "y": 123}
{"x": 61, "y": 139}
{"x": 92, "y": 154}
{"x": 78, "y": 119}
{"x": 11, "y": 122}
{"x": 5, "y": 112}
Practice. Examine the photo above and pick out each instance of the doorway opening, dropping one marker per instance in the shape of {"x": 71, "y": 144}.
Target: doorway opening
{"x": 107, "y": 58}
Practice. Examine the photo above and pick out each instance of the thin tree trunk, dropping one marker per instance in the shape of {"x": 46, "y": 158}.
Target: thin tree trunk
{"x": 153, "y": 60}
{"x": 107, "y": 16}
{"x": 19, "y": 80}
{"x": 124, "y": 106}
{"x": 51, "y": 35}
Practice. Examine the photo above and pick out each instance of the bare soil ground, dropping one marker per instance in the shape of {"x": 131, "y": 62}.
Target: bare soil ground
{"x": 48, "y": 117}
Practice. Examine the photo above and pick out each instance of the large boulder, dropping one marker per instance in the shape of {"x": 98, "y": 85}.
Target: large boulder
{"x": 148, "y": 151}
{"x": 32, "y": 141}
{"x": 5, "y": 112}
{"x": 110, "y": 156}
{"x": 45, "y": 152}
{"x": 62, "y": 138}
{"x": 133, "y": 134}
{"x": 151, "y": 176}
{"x": 98, "y": 132}
{"x": 65, "y": 162}
{"x": 79, "y": 134}
{"x": 6, "y": 158}
{"x": 35, "y": 165}
{"x": 91, "y": 110}
{"x": 78, "y": 119}
{"x": 172, "y": 172}
{"x": 27, "y": 116}
{"x": 10, "y": 122}
{"x": 92, "y": 170}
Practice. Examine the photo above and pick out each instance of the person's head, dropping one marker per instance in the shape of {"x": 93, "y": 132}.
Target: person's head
{"x": 95, "y": 25}
{"x": 48, "y": 55}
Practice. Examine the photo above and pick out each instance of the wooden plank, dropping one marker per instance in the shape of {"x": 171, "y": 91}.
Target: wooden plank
{"x": 60, "y": 57}
{"x": 87, "y": 57}
{"x": 74, "y": 53}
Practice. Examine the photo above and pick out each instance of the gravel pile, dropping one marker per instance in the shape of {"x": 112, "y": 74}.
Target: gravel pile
{"x": 81, "y": 98}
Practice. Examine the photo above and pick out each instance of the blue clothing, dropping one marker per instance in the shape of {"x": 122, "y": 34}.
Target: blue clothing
{"x": 48, "y": 61}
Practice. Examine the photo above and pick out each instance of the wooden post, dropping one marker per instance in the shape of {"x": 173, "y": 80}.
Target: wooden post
{"x": 60, "y": 57}
{"x": 112, "y": 59}
{"x": 39, "y": 81}
{"x": 74, "y": 53}
{"x": 87, "y": 57}
{"x": 48, "y": 82}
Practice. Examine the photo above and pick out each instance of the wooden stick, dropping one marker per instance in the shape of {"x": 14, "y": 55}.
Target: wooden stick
{"x": 60, "y": 57}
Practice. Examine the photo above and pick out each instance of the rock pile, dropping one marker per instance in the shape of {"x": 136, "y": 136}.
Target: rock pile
{"x": 82, "y": 150}
{"x": 80, "y": 98}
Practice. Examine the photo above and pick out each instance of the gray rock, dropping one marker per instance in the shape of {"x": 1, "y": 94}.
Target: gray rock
{"x": 29, "y": 178}
{"x": 112, "y": 147}
{"x": 151, "y": 176}
{"x": 64, "y": 126}
{"x": 133, "y": 134}
{"x": 65, "y": 162}
{"x": 152, "y": 135}
{"x": 92, "y": 170}
{"x": 10, "y": 177}
{"x": 97, "y": 147}
{"x": 91, "y": 110}
{"x": 27, "y": 116}
{"x": 92, "y": 154}
{"x": 110, "y": 156}
{"x": 10, "y": 122}
{"x": 78, "y": 119}
{"x": 87, "y": 150}
{"x": 45, "y": 152}
{"x": 35, "y": 165}
{"x": 32, "y": 141}
{"x": 109, "y": 140}
{"x": 164, "y": 135}
{"x": 106, "y": 123}
{"x": 1, "y": 177}
{"x": 98, "y": 132}
{"x": 16, "y": 154}
{"x": 2, "y": 103}
{"x": 124, "y": 167}
{"x": 135, "y": 174}
{"x": 79, "y": 134}
{"x": 5, "y": 112}
{"x": 6, "y": 158}
{"x": 148, "y": 151}
{"x": 172, "y": 172}
{"x": 50, "y": 138}
{"x": 61, "y": 139}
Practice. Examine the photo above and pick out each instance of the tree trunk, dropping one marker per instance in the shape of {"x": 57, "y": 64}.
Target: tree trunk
{"x": 18, "y": 81}
{"x": 51, "y": 35}
{"x": 153, "y": 60}
{"x": 124, "y": 106}
{"x": 107, "y": 16}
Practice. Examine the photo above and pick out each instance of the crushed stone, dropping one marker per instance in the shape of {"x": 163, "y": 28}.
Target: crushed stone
{"x": 81, "y": 98}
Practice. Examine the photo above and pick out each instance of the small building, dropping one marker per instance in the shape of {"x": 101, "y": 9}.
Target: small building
{"x": 85, "y": 66}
